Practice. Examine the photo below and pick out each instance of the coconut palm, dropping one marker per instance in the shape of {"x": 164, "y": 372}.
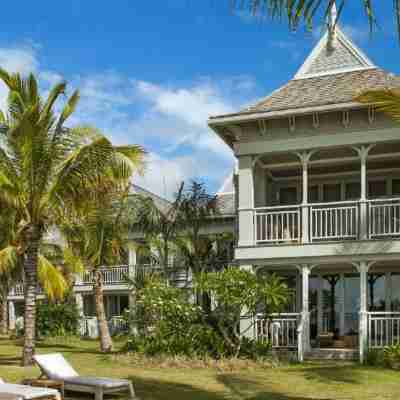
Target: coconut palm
{"x": 47, "y": 169}
{"x": 97, "y": 239}
{"x": 160, "y": 225}
{"x": 297, "y": 11}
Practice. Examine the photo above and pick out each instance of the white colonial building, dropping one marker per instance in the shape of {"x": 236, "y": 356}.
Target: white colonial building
{"x": 319, "y": 201}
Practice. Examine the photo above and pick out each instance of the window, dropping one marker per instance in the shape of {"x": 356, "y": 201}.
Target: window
{"x": 353, "y": 191}
{"x": 396, "y": 187}
{"x": 332, "y": 192}
{"x": 288, "y": 196}
{"x": 88, "y": 306}
{"x": 377, "y": 189}
{"x": 313, "y": 196}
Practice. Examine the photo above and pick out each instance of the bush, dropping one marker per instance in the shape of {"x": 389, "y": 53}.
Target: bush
{"x": 58, "y": 319}
{"x": 375, "y": 358}
{"x": 254, "y": 349}
{"x": 391, "y": 356}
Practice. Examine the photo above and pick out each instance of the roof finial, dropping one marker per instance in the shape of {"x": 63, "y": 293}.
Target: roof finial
{"x": 332, "y": 20}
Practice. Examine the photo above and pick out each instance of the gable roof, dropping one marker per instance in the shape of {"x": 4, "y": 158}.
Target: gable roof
{"x": 329, "y": 58}
{"x": 161, "y": 203}
{"x": 332, "y": 75}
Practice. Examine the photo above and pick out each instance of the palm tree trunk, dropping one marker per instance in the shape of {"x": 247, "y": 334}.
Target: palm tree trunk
{"x": 4, "y": 316}
{"x": 106, "y": 343}
{"x": 33, "y": 237}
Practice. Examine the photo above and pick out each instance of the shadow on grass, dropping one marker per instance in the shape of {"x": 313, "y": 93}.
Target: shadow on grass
{"x": 234, "y": 388}
{"x": 332, "y": 373}
{"x": 241, "y": 388}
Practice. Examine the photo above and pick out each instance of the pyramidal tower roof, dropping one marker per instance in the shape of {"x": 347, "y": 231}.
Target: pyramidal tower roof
{"x": 339, "y": 56}
{"x": 332, "y": 75}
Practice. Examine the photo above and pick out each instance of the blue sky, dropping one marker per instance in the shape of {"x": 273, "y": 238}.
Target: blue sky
{"x": 152, "y": 73}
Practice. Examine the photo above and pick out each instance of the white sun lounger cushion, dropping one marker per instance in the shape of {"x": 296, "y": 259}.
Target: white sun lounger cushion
{"x": 28, "y": 392}
{"x": 55, "y": 366}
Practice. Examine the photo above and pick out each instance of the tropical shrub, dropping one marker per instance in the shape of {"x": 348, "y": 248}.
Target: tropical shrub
{"x": 391, "y": 356}
{"x": 236, "y": 292}
{"x": 57, "y": 318}
{"x": 374, "y": 358}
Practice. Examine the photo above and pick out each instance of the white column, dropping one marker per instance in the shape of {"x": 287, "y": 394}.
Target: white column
{"x": 363, "y": 267}
{"x": 247, "y": 326}
{"x": 342, "y": 306}
{"x": 246, "y": 202}
{"x": 304, "y": 159}
{"x": 11, "y": 315}
{"x": 320, "y": 304}
{"x": 363, "y": 154}
{"x": 305, "y": 312}
{"x": 79, "y": 306}
{"x": 132, "y": 260}
{"x": 388, "y": 291}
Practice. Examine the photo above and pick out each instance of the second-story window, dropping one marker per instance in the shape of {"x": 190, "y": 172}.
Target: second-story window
{"x": 377, "y": 189}
{"x": 288, "y": 196}
{"x": 353, "y": 190}
{"x": 331, "y": 192}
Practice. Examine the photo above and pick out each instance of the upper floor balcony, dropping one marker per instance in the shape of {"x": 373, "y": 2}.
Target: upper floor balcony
{"x": 335, "y": 195}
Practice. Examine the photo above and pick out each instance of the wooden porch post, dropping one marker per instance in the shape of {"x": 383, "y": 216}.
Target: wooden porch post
{"x": 305, "y": 312}
{"x": 363, "y": 154}
{"x": 305, "y": 159}
{"x": 320, "y": 305}
{"x": 342, "y": 306}
{"x": 132, "y": 261}
{"x": 246, "y": 202}
{"x": 363, "y": 268}
{"x": 388, "y": 291}
{"x": 11, "y": 315}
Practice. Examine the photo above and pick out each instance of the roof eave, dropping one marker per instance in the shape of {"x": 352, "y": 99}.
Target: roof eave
{"x": 216, "y": 121}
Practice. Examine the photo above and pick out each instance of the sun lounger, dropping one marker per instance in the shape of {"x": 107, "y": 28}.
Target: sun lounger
{"x": 54, "y": 366}
{"x": 11, "y": 391}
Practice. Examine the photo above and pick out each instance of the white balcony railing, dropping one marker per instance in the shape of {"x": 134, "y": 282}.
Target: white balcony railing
{"x": 327, "y": 221}
{"x": 384, "y": 218}
{"x": 277, "y": 224}
{"x": 280, "y": 329}
{"x": 334, "y": 221}
{"x": 110, "y": 275}
{"x": 383, "y": 329}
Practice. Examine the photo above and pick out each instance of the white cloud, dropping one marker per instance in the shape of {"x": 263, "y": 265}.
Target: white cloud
{"x": 169, "y": 120}
{"x": 16, "y": 59}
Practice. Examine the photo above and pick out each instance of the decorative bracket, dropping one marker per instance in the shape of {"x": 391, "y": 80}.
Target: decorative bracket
{"x": 292, "y": 123}
{"x": 262, "y": 126}
{"x": 236, "y": 130}
{"x": 371, "y": 114}
{"x": 346, "y": 118}
{"x": 315, "y": 120}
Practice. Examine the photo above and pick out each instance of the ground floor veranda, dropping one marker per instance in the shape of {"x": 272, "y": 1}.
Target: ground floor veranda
{"x": 343, "y": 306}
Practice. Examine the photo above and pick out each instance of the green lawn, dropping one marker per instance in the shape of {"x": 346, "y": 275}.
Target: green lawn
{"x": 321, "y": 381}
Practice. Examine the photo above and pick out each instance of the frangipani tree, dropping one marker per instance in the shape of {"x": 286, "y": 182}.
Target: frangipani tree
{"x": 47, "y": 169}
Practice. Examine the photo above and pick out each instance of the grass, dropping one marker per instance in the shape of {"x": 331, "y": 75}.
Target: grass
{"x": 318, "y": 381}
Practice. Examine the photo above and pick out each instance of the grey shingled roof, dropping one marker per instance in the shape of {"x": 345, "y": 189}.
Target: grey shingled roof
{"x": 160, "y": 202}
{"x": 226, "y": 204}
{"x": 325, "y": 90}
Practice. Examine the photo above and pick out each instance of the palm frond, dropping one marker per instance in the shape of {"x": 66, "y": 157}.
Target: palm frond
{"x": 51, "y": 279}
{"x": 386, "y": 101}
{"x": 8, "y": 259}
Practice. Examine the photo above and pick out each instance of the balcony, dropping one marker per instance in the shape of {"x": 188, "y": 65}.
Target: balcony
{"x": 319, "y": 222}
{"x": 120, "y": 274}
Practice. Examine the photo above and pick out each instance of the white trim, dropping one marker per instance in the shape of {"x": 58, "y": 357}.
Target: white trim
{"x": 322, "y": 44}
{"x": 255, "y": 115}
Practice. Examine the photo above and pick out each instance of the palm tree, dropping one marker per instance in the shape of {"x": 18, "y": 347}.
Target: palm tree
{"x": 160, "y": 225}
{"x": 196, "y": 209}
{"x": 305, "y": 10}
{"x": 99, "y": 238}
{"x": 46, "y": 169}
